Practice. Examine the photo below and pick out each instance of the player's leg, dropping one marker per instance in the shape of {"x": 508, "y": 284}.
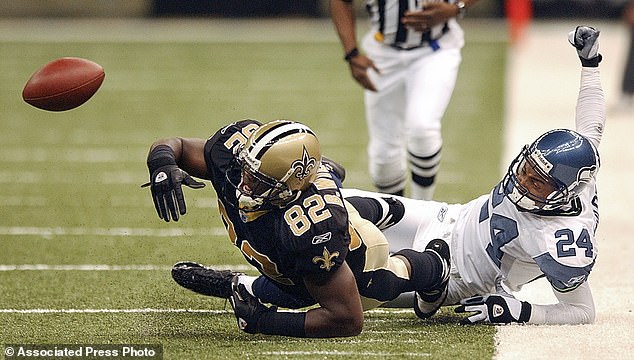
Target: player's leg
{"x": 399, "y": 218}
{"x": 430, "y": 84}
{"x": 213, "y": 282}
{"x": 202, "y": 279}
{"x": 267, "y": 291}
{"x": 385, "y": 277}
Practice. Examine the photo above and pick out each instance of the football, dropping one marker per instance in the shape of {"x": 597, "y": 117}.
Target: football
{"x": 63, "y": 84}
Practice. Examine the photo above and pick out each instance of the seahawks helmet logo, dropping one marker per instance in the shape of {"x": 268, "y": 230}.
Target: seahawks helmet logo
{"x": 302, "y": 167}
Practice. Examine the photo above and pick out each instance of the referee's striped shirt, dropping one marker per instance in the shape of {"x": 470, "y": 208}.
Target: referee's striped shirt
{"x": 386, "y": 15}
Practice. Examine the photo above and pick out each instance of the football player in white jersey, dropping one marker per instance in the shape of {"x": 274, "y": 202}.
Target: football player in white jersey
{"x": 539, "y": 221}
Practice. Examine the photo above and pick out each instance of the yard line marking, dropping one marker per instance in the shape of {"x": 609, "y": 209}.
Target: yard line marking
{"x": 341, "y": 353}
{"x": 116, "y": 231}
{"x": 109, "y": 311}
{"x": 152, "y": 310}
{"x": 91, "y": 155}
{"x": 103, "y": 267}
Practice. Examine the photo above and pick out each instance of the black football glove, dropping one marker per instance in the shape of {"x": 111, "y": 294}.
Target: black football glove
{"x": 247, "y": 308}
{"x": 494, "y": 309}
{"x": 165, "y": 182}
{"x": 167, "y": 194}
{"x": 586, "y": 40}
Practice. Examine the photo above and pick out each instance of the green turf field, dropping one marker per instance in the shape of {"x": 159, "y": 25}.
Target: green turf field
{"x": 70, "y": 195}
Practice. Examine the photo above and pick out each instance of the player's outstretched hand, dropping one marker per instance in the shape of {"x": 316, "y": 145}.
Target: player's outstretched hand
{"x": 247, "y": 308}
{"x": 586, "y": 40}
{"x": 494, "y": 309}
{"x": 166, "y": 186}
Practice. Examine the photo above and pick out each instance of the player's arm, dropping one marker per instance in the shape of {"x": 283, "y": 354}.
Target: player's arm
{"x": 170, "y": 162}
{"x": 188, "y": 153}
{"x": 342, "y": 13}
{"x": 590, "y": 112}
{"x": 574, "y": 307}
{"x": 340, "y": 312}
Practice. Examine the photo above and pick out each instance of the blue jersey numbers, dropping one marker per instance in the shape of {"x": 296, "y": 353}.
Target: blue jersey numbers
{"x": 566, "y": 242}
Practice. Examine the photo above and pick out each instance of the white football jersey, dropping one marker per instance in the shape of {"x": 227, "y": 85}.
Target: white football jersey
{"x": 494, "y": 241}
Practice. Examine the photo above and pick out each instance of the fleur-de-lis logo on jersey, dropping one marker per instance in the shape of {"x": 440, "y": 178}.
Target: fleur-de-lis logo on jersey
{"x": 326, "y": 260}
{"x": 303, "y": 166}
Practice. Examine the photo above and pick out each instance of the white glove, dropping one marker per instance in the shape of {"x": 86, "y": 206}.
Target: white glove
{"x": 494, "y": 309}
{"x": 586, "y": 40}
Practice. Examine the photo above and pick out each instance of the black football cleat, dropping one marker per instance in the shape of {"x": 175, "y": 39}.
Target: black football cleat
{"x": 334, "y": 167}
{"x": 426, "y": 303}
{"x": 203, "y": 280}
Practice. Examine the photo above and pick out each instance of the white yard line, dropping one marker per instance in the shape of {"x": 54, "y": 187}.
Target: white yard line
{"x": 47, "y": 232}
{"x": 104, "y": 267}
{"x": 152, "y": 310}
{"x": 108, "y": 311}
{"x": 543, "y": 81}
{"x": 334, "y": 353}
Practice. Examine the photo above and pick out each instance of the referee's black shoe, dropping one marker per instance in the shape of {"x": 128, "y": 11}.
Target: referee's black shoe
{"x": 203, "y": 280}
{"x": 426, "y": 303}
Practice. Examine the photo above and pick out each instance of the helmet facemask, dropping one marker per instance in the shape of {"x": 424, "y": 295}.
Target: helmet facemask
{"x": 276, "y": 164}
{"x": 562, "y": 159}
{"x": 257, "y": 189}
{"x": 522, "y": 197}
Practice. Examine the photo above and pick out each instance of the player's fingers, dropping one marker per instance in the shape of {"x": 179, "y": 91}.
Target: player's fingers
{"x": 192, "y": 183}
{"x": 460, "y": 310}
{"x": 478, "y": 314}
{"x": 180, "y": 200}
{"x": 162, "y": 207}
{"x": 476, "y": 300}
{"x": 172, "y": 204}
{"x": 158, "y": 201}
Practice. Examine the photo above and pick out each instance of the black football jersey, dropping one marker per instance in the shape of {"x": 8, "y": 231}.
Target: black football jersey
{"x": 309, "y": 236}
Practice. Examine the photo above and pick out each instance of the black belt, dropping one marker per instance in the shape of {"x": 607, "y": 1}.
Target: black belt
{"x": 426, "y": 41}
{"x": 432, "y": 43}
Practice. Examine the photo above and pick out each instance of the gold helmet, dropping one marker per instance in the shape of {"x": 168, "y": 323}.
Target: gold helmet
{"x": 279, "y": 161}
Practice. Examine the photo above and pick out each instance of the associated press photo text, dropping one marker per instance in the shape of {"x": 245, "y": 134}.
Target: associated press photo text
{"x": 84, "y": 351}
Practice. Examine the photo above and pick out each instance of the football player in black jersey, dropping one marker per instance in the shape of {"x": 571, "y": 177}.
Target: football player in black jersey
{"x": 282, "y": 207}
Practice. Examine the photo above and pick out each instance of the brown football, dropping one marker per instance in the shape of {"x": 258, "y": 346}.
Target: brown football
{"x": 63, "y": 84}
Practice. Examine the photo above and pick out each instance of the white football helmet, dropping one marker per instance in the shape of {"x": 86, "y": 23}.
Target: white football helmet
{"x": 562, "y": 158}
{"x": 279, "y": 160}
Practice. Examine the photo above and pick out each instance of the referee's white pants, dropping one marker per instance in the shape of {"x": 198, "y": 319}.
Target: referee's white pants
{"x": 414, "y": 89}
